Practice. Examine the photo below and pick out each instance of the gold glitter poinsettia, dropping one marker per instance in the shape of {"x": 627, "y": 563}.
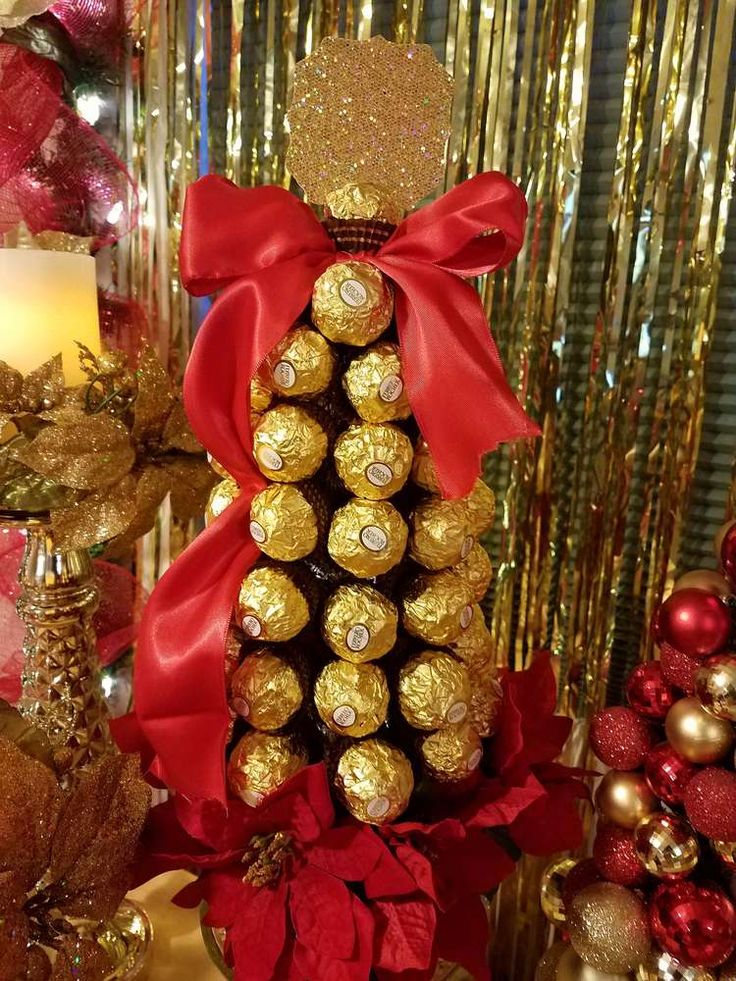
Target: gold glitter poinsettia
{"x": 101, "y": 458}
{"x": 65, "y": 855}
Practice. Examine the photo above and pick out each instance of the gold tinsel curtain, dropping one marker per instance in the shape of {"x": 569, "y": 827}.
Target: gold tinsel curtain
{"x": 616, "y": 322}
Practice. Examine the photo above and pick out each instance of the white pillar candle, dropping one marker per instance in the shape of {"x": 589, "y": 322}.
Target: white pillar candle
{"x": 48, "y": 301}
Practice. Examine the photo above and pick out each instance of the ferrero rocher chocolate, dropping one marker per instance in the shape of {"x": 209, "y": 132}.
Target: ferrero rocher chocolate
{"x": 476, "y": 570}
{"x": 301, "y": 364}
{"x": 438, "y": 608}
{"x": 373, "y": 460}
{"x": 271, "y": 607}
{"x": 352, "y": 303}
{"x": 261, "y": 395}
{"x": 352, "y": 699}
{"x": 423, "y": 472}
{"x": 266, "y": 690}
{"x": 367, "y": 537}
{"x": 474, "y": 645}
{"x": 260, "y": 763}
{"x": 222, "y": 496}
{"x": 217, "y": 467}
{"x": 359, "y": 623}
{"x": 374, "y": 384}
{"x": 452, "y": 753}
{"x": 375, "y": 781}
{"x": 434, "y": 690}
{"x": 440, "y": 533}
{"x": 233, "y": 653}
{"x": 289, "y": 444}
{"x": 481, "y": 504}
{"x": 485, "y": 698}
{"x": 283, "y": 523}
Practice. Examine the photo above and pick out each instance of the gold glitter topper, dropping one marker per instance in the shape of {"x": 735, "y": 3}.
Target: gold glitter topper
{"x": 369, "y": 121}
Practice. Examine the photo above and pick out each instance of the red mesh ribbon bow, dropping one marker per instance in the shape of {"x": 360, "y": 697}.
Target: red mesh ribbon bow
{"x": 265, "y": 249}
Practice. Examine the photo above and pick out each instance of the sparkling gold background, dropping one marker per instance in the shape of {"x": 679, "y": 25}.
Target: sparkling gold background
{"x": 618, "y": 120}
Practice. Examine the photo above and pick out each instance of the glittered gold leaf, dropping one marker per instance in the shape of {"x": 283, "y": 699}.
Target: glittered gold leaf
{"x": 39, "y": 965}
{"x": 191, "y": 482}
{"x": 97, "y": 834}
{"x": 96, "y": 518}
{"x": 33, "y": 741}
{"x": 155, "y": 397}
{"x": 370, "y": 114}
{"x": 11, "y": 388}
{"x": 85, "y": 452}
{"x": 80, "y": 959}
{"x": 178, "y": 433}
{"x": 31, "y": 804}
{"x": 44, "y": 387}
{"x": 152, "y": 486}
{"x": 14, "y": 935}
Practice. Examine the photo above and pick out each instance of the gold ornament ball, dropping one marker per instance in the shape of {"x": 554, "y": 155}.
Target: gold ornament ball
{"x": 547, "y": 967}
{"x": 696, "y": 734}
{"x": 624, "y": 798}
{"x": 660, "y": 966}
{"x": 715, "y": 686}
{"x": 608, "y": 927}
{"x": 550, "y": 893}
{"x": 571, "y": 967}
{"x": 666, "y": 845}
{"x": 707, "y": 579}
{"x": 726, "y": 851}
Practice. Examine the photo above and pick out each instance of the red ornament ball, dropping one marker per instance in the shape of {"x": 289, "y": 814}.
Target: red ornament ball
{"x": 620, "y": 738}
{"x": 580, "y": 876}
{"x": 615, "y": 856}
{"x": 668, "y": 773}
{"x": 648, "y": 691}
{"x": 678, "y": 668}
{"x": 695, "y": 621}
{"x": 728, "y": 552}
{"x": 694, "y": 923}
{"x": 710, "y": 803}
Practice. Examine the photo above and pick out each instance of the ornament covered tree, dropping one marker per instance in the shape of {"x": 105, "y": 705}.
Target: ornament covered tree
{"x": 345, "y": 383}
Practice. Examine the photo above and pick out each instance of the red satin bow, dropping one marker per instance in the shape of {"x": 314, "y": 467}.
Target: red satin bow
{"x": 266, "y": 249}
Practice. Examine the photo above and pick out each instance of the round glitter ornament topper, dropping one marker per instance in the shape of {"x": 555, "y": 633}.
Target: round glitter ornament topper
{"x": 369, "y": 121}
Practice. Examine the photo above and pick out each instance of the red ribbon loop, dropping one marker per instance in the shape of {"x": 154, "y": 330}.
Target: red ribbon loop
{"x": 265, "y": 249}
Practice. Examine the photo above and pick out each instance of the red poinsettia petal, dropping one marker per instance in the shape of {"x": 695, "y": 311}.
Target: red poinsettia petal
{"x": 551, "y": 824}
{"x": 321, "y": 913}
{"x": 470, "y": 868}
{"x": 224, "y": 892}
{"x": 496, "y": 804}
{"x": 427, "y": 975}
{"x": 404, "y": 938}
{"x": 389, "y": 878}
{"x": 219, "y": 828}
{"x": 165, "y": 845}
{"x": 258, "y": 935}
{"x": 313, "y": 963}
{"x": 350, "y": 852}
{"x": 419, "y": 867}
{"x": 462, "y": 937}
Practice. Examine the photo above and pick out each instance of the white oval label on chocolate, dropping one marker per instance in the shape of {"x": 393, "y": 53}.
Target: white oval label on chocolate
{"x": 378, "y": 807}
{"x": 344, "y": 716}
{"x": 465, "y": 617}
{"x": 358, "y": 637}
{"x": 269, "y": 458}
{"x": 390, "y": 388}
{"x": 284, "y": 374}
{"x": 241, "y": 707}
{"x": 457, "y": 712}
{"x": 467, "y": 546}
{"x": 373, "y": 538}
{"x": 378, "y": 474}
{"x": 257, "y": 532}
{"x": 252, "y": 797}
{"x": 252, "y": 626}
{"x": 475, "y": 759}
{"x": 353, "y": 292}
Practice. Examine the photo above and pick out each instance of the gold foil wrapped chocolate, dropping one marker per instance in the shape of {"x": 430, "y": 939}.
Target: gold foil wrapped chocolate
{"x": 289, "y": 444}
{"x": 260, "y": 763}
{"x": 233, "y": 653}
{"x": 367, "y": 537}
{"x": 352, "y": 303}
{"x": 261, "y": 396}
{"x": 375, "y": 781}
{"x": 373, "y": 460}
{"x": 437, "y": 608}
{"x": 434, "y": 690}
{"x": 301, "y": 364}
{"x": 271, "y": 607}
{"x": 221, "y": 497}
{"x": 476, "y": 570}
{"x": 474, "y": 645}
{"x": 452, "y": 753}
{"x": 485, "y": 698}
{"x": 352, "y": 699}
{"x": 359, "y": 623}
{"x": 440, "y": 533}
{"x": 217, "y": 467}
{"x": 423, "y": 472}
{"x": 481, "y": 504}
{"x": 283, "y": 523}
{"x": 374, "y": 384}
{"x": 266, "y": 690}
